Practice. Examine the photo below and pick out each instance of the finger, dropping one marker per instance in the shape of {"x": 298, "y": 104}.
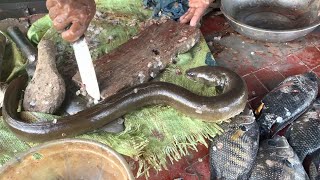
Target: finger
{"x": 54, "y": 12}
{"x": 184, "y": 15}
{"x": 51, "y": 3}
{"x": 62, "y": 2}
{"x": 74, "y": 33}
{"x": 61, "y": 22}
{"x": 193, "y": 1}
{"x": 197, "y": 5}
{"x": 197, "y": 15}
{"x": 188, "y": 16}
{"x": 184, "y": 19}
{"x": 206, "y": 1}
{"x": 80, "y": 16}
{"x": 193, "y": 5}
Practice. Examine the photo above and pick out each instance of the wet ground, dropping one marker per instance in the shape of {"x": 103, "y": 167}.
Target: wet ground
{"x": 262, "y": 65}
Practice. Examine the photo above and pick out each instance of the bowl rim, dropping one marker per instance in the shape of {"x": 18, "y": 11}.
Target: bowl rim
{"x": 47, "y": 144}
{"x": 312, "y": 26}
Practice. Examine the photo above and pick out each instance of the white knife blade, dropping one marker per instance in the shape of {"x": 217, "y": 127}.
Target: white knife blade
{"x": 86, "y": 68}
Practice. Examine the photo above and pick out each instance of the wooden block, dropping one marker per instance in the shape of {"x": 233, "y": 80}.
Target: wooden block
{"x": 143, "y": 57}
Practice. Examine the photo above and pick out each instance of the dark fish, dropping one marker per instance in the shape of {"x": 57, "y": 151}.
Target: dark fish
{"x": 314, "y": 167}
{"x": 304, "y": 133}
{"x": 276, "y": 160}
{"x": 233, "y": 153}
{"x": 287, "y": 102}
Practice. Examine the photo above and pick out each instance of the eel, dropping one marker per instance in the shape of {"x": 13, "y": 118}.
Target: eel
{"x": 229, "y": 103}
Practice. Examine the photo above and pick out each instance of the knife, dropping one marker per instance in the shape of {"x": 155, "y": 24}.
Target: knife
{"x": 86, "y": 68}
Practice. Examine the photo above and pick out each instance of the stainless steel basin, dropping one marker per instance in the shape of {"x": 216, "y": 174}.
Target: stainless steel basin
{"x": 272, "y": 20}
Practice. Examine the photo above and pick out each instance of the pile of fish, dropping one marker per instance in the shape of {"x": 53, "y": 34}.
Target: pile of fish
{"x": 281, "y": 141}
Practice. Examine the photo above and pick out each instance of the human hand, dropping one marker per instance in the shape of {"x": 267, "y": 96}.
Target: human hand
{"x": 196, "y": 10}
{"x": 77, "y": 13}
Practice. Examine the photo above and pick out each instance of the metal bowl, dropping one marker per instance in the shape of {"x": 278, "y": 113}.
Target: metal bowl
{"x": 272, "y": 20}
{"x": 68, "y": 159}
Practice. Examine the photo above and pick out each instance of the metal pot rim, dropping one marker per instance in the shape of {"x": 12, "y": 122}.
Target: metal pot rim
{"x": 312, "y": 26}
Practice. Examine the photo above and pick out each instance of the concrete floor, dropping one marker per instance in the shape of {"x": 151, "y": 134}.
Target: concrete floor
{"x": 262, "y": 65}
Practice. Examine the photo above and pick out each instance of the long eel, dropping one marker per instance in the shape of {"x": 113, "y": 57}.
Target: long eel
{"x": 229, "y": 103}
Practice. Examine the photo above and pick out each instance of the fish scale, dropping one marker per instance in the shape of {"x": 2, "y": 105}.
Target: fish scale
{"x": 304, "y": 133}
{"x": 314, "y": 167}
{"x": 238, "y": 152}
{"x": 287, "y": 102}
{"x": 276, "y": 160}
{"x": 232, "y": 154}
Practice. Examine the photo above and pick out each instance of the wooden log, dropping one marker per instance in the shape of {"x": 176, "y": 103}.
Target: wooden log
{"x": 143, "y": 57}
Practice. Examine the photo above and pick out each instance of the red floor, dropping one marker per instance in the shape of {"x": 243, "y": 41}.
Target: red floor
{"x": 262, "y": 65}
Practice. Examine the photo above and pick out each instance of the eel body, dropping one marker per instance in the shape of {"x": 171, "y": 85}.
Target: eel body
{"x": 229, "y": 103}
